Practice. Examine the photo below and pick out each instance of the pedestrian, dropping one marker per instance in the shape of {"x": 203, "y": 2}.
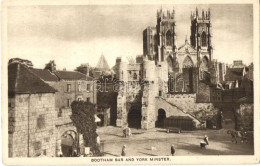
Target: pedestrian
{"x": 123, "y": 151}
{"x": 60, "y": 154}
{"x": 98, "y": 140}
{"x": 220, "y": 119}
{"x": 234, "y": 136}
{"x": 129, "y": 131}
{"x": 74, "y": 154}
{"x": 172, "y": 150}
{"x": 206, "y": 140}
{"x": 124, "y": 132}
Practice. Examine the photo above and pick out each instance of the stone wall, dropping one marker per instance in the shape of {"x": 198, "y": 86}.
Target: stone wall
{"x": 39, "y": 111}
{"x": 187, "y": 102}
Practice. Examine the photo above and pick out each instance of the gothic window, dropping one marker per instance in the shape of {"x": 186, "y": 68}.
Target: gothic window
{"x": 203, "y": 67}
{"x": 203, "y": 39}
{"x": 204, "y": 63}
{"x": 168, "y": 38}
{"x": 135, "y": 76}
{"x": 187, "y": 63}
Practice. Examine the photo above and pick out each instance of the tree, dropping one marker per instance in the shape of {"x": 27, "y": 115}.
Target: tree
{"x": 50, "y": 66}
{"x": 85, "y": 69}
{"x": 83, "y": 117}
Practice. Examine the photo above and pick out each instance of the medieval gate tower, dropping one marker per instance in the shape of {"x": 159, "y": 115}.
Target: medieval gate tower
{"x": 166, "y": 80}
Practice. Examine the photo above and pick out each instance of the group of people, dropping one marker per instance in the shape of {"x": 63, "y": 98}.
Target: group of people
{"x": 238, "y": 135}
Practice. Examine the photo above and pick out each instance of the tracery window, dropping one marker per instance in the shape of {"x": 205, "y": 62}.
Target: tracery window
{"x": 203, "y": 39}
{"x": 168, "y": 38}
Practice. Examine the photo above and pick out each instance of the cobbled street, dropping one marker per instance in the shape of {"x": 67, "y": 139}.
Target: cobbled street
{"x": 156, "y": 142}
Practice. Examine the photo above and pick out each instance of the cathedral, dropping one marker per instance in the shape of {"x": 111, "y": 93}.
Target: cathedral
{"x": 167, "y": 80}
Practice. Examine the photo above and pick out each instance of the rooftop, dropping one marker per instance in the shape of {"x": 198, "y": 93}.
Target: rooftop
{"x": 47, "y": 75}
{"x": 23, "y": 81}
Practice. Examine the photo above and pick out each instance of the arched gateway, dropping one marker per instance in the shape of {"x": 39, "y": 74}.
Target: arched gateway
{"x": 68, "y": 143}
{"x": 134, "y": 118}
{"x": 160, "y": 118}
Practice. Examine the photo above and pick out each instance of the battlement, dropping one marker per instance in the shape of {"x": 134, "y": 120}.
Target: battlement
{"x": 205, "y": 15}
{"x": 169, "y": 14}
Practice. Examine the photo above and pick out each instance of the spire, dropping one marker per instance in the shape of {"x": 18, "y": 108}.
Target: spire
{"x": 102, "y": 63}
{"x": 197, "y": 13}
{"x": 203, "y": 16}
{"x": 173, "y": 12}
{"x": 209, "y": 14}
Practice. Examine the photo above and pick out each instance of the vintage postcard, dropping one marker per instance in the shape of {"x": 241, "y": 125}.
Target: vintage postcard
{"x": 130, "y": 82}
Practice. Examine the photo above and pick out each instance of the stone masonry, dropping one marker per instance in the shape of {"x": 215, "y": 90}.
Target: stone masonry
{"x": 32, "y": 117}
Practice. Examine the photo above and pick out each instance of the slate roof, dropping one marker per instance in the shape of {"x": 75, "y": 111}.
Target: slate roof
{"x": 72, "y": 75}
{"x": 23, "y": 81}
{"x": 46, "y": 75}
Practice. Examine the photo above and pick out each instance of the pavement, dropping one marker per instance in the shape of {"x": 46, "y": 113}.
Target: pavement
{"x": 156, "y": 142}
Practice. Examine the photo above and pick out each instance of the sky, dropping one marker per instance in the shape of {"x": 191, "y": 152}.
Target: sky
{"x": 74, "y": 35}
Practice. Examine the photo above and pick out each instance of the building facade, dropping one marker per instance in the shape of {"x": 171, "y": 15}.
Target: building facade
{"x": 39, "y": 110}
{"x": 168, "y": 80}
{"x": 31, "y": 114}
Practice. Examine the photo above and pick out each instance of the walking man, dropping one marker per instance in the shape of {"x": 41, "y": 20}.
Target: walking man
{"x": 172, "y": 150}
{"x": 123, "y": 151}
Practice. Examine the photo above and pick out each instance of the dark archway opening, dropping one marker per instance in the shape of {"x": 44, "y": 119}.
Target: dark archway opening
{"x": 67, "y": 145}
{"x": 160, "y": 118}
{"x": 134, "y": 118}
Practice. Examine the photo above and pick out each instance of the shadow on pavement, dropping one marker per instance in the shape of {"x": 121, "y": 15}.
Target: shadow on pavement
{"x": 114, "y": 135}
{"x": 111, "y": 154}
{"x": 137, "y": 133}
{"x": 148, "y": 154}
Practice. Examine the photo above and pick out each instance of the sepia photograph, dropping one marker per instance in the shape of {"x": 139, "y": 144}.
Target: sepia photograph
{"x": 127, "y": 83}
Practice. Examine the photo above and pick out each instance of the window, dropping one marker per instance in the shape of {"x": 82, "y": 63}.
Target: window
{"x": 160, "y": 93}
{"x": 68, "y": 87}
{"x": 88, "y": 99}
{"x": 135, "y": 76}
{"x": 37, "y": 145}
{"x": 203, "y": 40}
{"x": 68, "y": 102}
{"x": 168, "y": 38}
{"x": 79, "y": 87}
{"x": 41, "y": 122}
{"x": 88, "y": 87}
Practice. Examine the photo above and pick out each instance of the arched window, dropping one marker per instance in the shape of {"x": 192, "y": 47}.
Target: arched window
{"x": 204, "y": 64}
{"x": 168, "y": 38}
{"x": 187, "y": 63}
{"x": 203, "y": 39}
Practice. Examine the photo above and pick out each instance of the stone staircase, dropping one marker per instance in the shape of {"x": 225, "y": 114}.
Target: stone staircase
{"x": 176, "y": 110}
